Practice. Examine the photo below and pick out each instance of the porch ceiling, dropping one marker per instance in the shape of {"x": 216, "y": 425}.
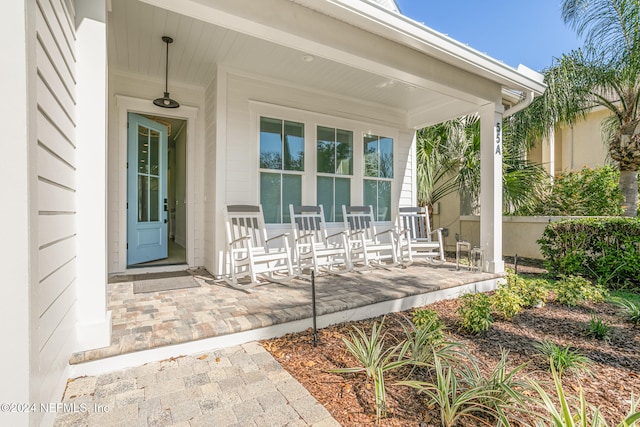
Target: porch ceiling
{"x": 135, "y": 29}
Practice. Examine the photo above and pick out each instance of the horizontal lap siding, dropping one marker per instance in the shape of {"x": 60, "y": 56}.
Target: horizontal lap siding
{"x": 242, "y": 146}
{"x": 56, "y": 189}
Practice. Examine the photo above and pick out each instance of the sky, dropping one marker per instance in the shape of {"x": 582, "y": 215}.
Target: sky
{"x": 528, "y": 32}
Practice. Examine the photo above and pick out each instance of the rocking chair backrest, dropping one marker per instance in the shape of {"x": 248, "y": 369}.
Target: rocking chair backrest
{"x": 246, "y": 220}
{"x": 416, "y": 220}
{"x": 360, "y": 218}
{"x": 308, "y": 220}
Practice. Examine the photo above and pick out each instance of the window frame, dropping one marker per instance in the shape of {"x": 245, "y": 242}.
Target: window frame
{"x": 334, "y": 215}
{"x": 378, "y": 179}
{"x": 282, "y": 172}
{"x": 311, "y": 120}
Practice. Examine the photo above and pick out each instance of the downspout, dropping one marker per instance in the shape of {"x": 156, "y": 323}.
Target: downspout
{"x": 520, "y": 105}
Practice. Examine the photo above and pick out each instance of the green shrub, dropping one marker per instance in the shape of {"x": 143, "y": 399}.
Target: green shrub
{"x": 475, "y": 312}
{"x": 630, "y": 309}
{"x": 606, "y": 250}
{"x": 506, "y": 302}
{"x": 450, "y": 396}
{"x": 375, "y": 359}
{"x": 588, "y": 192}
{"x": 575, "y": 290}
{"x": 597, "y": 328}
{"x": 501, "y": 387}
{"x": 563, "y": 358}
{"x": 428, "y": 319}
{"x": 534, "y": 292}
{"x": 579, "y": 414}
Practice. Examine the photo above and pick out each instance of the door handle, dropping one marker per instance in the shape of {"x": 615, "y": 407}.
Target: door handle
{"x": 165, "y": 207}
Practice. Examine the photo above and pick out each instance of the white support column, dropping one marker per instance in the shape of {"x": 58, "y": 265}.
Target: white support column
{"x": 18, "y": 305}
{"x": 94, "y": 322}
{"x": 491, "y": 186}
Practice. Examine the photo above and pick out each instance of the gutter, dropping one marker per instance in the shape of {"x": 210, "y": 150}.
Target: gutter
{"x": 529, "y": 95}
{"x": 520, "y": 105}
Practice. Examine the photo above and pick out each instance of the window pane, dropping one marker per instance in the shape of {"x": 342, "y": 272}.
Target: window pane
{"x": 326, "y": 149}
{"x": 143, "y": 198}
{"x": 270, "y": 143}
{"x": 371, "y": 155}
{"x": 386, "y": 157}
{"x": 371, "y": 194}
{"x": 384, "y": 201}
{"x": 324, "y": 187}
{"x": 154, "y": 199}
{"x": 293, "y": 146}
{"x": 291, "y": 194}
{"x": 270, "y": 197}
{"x": 342, "y": 197}
{"x": 344, "y": 152}
{"x": 143, "y": 149}
{"x": 154, "y": 153}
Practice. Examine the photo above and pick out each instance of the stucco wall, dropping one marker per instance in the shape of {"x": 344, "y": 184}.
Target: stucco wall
{"x": 520, "y": 233}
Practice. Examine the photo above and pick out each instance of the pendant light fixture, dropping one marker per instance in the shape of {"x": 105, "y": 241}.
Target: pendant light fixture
{"x": 166, "y": 101}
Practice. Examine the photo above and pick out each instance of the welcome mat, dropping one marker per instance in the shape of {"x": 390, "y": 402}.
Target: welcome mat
{"x": 158, "y": 282}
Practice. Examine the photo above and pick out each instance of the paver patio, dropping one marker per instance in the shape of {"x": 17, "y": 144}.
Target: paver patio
{"x": 150, "y": 320}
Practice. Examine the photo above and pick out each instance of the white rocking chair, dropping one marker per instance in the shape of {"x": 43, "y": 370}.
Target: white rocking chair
{"x": 251, "y": 253}
{"x": 416, "y": 237}
{"x": 366, "y": 248}
{"x": 313, "y": 246}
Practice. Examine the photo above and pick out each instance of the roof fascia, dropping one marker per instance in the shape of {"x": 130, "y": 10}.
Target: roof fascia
{"x": 405, "y": 31}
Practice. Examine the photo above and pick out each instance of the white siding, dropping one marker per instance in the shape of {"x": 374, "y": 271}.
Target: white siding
{"x": 56, "y": 195}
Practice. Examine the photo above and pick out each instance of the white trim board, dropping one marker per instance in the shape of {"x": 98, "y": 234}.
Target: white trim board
{"x": 124, "y": 105}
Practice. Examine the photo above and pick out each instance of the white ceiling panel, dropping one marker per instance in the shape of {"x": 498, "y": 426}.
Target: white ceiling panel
{"x": 135, "y": 46}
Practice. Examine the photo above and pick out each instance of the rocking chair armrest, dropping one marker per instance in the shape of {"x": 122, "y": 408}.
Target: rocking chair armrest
{"x": 304, "y": 236}
{"x": 338, "y": 234}
{"x": 355, "y": 233}
{"x": 239, "y": 239}
{"x": 279, "y": 236}
{"x": 391, "y": 230}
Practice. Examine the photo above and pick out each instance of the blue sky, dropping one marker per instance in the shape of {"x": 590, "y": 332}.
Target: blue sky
{"x": 529, "y": 32}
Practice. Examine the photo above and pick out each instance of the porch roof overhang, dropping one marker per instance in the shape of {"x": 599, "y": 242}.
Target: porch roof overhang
{"x": 360, "y": 50}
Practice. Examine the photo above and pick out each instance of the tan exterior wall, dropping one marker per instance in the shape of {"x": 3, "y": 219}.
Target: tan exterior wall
{"x": 575, "y": 147}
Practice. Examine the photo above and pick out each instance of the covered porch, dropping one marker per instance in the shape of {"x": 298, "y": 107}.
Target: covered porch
{"x": 160, "y": 325}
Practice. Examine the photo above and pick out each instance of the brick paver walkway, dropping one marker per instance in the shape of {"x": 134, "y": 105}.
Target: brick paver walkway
{"x": 240, "y": 386}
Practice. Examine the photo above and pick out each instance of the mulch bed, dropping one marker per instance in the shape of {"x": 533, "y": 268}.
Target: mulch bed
{"x": 614, "y": 376}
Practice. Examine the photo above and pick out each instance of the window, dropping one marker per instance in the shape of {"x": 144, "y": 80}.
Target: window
{"x": 334, "y": 167}
{"x": 378, "y": 173}
{"x": 281, "y": 167}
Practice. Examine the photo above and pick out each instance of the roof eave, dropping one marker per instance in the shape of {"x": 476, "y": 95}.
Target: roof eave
{"x": 405, "y": 31}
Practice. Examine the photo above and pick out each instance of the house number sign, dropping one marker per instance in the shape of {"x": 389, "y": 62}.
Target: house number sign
{"x": 498, "y": 138}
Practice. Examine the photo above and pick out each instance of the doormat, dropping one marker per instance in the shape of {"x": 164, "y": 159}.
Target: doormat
{"x": 158, "y": 282}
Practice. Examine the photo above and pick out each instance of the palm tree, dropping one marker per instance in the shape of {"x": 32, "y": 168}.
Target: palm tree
{"x": 605, "y": 73}
{"x": 448, "y": 160}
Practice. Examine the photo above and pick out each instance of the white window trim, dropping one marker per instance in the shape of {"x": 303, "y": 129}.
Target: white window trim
{"x": 312, "y": 120}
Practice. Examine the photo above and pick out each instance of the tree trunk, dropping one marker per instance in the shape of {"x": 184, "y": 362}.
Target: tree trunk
{"x": 629, "y": 188}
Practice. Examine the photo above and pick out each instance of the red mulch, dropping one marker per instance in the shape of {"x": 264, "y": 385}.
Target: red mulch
{"x": 613, "y": 379}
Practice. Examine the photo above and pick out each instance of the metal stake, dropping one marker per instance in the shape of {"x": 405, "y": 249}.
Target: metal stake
{"x": 515, "y": 264}
{"x": 313, "y": 304}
